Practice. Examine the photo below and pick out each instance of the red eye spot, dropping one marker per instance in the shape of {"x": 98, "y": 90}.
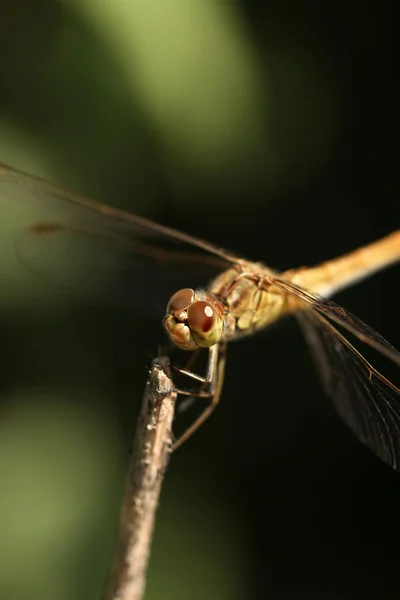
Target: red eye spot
{"x": 201, "y": 316}
{"x": 181, "y": 300}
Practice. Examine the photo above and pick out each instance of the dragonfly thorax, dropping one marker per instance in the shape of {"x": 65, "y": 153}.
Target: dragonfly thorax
{"x": 251, "y": 301}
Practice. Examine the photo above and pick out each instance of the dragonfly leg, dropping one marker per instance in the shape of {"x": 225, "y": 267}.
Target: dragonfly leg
{"x": 216, "y": 369}
{"x": 190, "y": 400}
{"x": 163, "y": 350}
{"x": 207, "y": 380}
{"x": 187, "y": 370}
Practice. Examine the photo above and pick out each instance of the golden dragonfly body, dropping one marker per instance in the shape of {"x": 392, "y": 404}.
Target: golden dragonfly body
{"x": 250, "y": 296}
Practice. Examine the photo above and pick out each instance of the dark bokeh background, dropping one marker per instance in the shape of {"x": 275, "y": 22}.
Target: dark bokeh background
{"x": 267, "y": 130}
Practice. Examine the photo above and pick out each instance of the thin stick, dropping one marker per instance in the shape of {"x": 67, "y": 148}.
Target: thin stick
{"x": 152, "y": 446}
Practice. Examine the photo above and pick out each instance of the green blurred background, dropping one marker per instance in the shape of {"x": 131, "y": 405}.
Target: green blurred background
{"x": 266, "y": 129}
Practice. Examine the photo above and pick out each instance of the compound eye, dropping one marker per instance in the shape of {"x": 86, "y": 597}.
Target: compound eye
{"x": 202, "y": 318}
{"x": 180, "y": 300}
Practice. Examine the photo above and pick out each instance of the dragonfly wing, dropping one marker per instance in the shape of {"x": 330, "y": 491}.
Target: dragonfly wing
{"x": 367, "y": 402}
{"x": 51, "y": 200}
{"x": 99, "y": 250}
{"x": 340, "y": 316}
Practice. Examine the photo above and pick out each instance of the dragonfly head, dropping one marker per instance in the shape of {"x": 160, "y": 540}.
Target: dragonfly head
{"x": 193, "y": 320}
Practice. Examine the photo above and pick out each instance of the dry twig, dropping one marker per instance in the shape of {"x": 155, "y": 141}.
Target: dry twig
{"x": 149, "y": 459}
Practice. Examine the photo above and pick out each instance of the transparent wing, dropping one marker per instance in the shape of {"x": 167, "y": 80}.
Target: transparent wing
{"x": 340, "y": 316}
{"x": 99, "y": 249}
{"x": 366, "y": 400}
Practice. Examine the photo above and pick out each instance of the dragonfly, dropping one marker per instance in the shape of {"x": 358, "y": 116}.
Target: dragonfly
{"x": 243, "y": 297}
